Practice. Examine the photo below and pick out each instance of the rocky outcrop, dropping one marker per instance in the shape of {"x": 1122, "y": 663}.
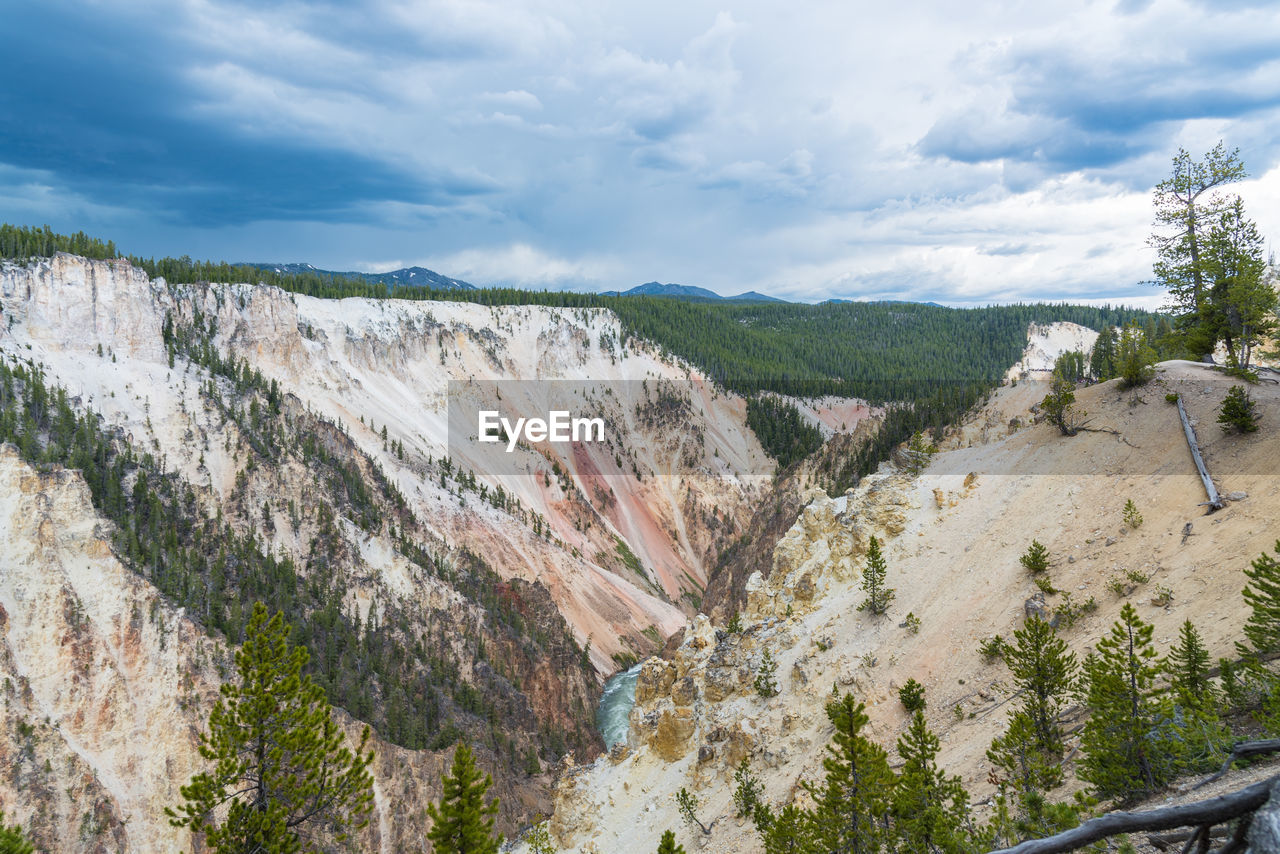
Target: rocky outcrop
{"x": 828, "y": 543}
{"x": 105, "y": 685}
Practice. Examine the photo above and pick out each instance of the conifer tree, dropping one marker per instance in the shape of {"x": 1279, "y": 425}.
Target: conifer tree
{"x": 1044, "y": 671}
{"x": 930, "y": 809}
{"x": 1134, "y": 357}
{"x": 668, "y": 844}
{"x": 687, "y": 804}
{"x": 1036, "y": 557}
{"x": 766, "y": 685}
{"x": 873, "y": 581}
{"x": 1059, "y": 405}
{"x": 853, "y": 803}
{"x": 539, "y": 838}
{"x": 12, "y": 841}
{"x": 1102, "y": 359}
{"x": 1238, "y": 413}
{"x": 746, "y": 791}
{"x": 1187, "y": 204}
{"x": 918, "y": 453}
{"x": 1204, "y": 738}
{"x": 790, "y": 831}
{"x": 1128, "y": 747}
{"x": 462, "y": 823}
{"x": 280, "y": 762}
{"x": 1262, "y": 628}
{"x": 1187, "y": 665}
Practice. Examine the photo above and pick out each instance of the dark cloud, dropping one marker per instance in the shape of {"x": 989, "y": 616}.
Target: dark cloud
{"x": 105, "y": 109}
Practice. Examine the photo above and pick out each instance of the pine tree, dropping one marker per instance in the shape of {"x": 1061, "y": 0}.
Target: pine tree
{"x": 539, "y": 838}
{"x": 790, "y": 831}
{"x": 687, "y": 805}
{"x": 746, "y": 791}
{"x": 911, "y": 695}
{"x": 1059, "y": 405}
{"x": 1187, "y": 665}
{"x": 1128, "y": 747}
{"x": 766, "y": 685}
{"x": 930, "y": 810}
{"x": 1102, "y": 359}
{"x": 12, "y": 840}
{"x": 1134, "y": 357}
{"x": 1187, "y": 205}
{"x": 918, "y": 453}
{"x": 280, "y": 763}
{"x": 1044, "y": 672}
{"x": 668, "y": 844}
{"x": 1132, "y": 517}
{"x": 1262, "y": 628}
{"x": 853, "y": 803}
{"x": 873, "y": 581}
{"x": 1238, "y": 413}
{"x": 1240, "y": 309}
{"x": 462, "y": 823}
{"x": 1204, "y": 737}
{"x": 1036, "y": 557}
{"x": 1021, "y": 765}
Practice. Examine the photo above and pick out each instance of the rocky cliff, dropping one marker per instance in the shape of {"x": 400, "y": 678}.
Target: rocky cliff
{"x": 309, "y": 437}
{"x": 952, "y": 543}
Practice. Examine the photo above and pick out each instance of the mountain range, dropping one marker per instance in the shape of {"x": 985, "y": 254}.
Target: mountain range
{"x": 688, "y": 292}
{"x": 420, "y": 276}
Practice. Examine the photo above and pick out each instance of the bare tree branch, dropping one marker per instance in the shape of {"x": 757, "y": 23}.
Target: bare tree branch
{"x": 1200, "y": 814}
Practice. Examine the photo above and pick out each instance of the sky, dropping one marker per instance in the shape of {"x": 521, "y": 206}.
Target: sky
{"x": 964, "y": 153}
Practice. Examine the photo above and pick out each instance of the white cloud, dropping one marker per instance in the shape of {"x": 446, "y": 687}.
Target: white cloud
{"x": 522, "y": 265}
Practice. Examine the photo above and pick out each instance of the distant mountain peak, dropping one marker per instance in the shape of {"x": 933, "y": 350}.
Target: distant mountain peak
{"x": 417, "y": 276}
{"x": 688, "y": 292}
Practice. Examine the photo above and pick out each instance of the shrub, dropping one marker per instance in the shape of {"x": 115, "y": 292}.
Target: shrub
{"x": 1070, "y": 611}
{"x": 1036, "y": 558}
{"x": 992, "y": 648}
{"x": 912, "y": 696}
{"x": 911, "y": 623}
{"x": 1137, "y": 576}
{"x": 1238, "y": 413}
{"x": 766, "y": 684}
{"x": 1132, "y": 517}
{"x": 1046, "y": 585}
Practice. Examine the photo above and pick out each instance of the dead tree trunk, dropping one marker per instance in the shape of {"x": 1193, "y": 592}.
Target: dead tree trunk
{"x": 1202, "y": 814}
{"x": 1215, "y": 500}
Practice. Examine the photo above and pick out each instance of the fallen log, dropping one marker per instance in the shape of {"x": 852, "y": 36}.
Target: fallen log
{"x": 1215, "y": 500}
{"x": 1165, "y": 841}
{"x": 1199, "y": 814}
{"x": 1243, "y": 750}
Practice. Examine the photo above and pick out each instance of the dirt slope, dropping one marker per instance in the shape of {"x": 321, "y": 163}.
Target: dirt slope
{"x": 952, "y": 542}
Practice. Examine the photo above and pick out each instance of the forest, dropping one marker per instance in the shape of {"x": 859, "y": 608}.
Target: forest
{"x": 931, "y": 362}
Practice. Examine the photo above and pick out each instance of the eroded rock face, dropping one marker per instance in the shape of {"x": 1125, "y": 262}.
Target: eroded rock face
{"x": 828, "y": 542}
{"x": 105, "y": 685}
{"x": 97, "y": 327}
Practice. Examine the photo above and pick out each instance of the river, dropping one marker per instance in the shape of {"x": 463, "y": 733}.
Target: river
{"x": 615, "y": 706}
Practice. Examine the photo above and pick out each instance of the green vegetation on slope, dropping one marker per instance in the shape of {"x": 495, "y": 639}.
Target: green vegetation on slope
{"x": 934, "y": 362}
